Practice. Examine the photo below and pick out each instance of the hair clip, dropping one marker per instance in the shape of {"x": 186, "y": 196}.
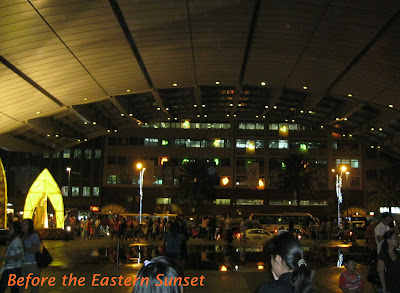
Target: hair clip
{"x": 301, "y": 262}
{"x": 147, "y": 262}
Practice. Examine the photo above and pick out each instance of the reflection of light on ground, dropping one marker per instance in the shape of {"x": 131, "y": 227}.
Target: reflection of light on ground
{"x": 134, "y": 265}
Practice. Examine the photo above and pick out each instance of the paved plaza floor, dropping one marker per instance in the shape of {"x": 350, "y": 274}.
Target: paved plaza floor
{"x": 85, "y": 258}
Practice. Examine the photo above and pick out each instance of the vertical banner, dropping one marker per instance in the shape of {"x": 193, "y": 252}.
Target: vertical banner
{"x": 3, "y": 197}
{"x": 252, "y": 175}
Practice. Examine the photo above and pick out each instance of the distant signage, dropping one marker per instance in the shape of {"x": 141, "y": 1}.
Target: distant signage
{"x": 94, "y": 208}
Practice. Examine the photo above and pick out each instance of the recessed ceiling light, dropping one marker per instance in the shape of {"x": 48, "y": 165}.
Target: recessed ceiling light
{"x": 344, "y": 135}
{"x": 372, "y": 146}
{"x": 145, "y": 123}
{"x": 38, "y": 112}
{"x": 378, "y": 146}
{"x": 115, "y": 130}
{"x": 263, "y": 116}
{"x": 350, "y": 135}
{"x": 293, "y": 120}
{"x": 85, "y": 139}
{"x": 239, "y": 105}
{"x": 310, "y": 112}
{"x": 198, "y": 116}
{"x": 231, "y": 105}
{"x": 122, "y": 114}
{"x": 158, "y": 108}
{"x": 217, "y": 82}
{"x": 372, "y": 128}
{"x": 203, "y": 106}
{"x": 227, "y": 115}
{"x": 305, "y": 87}
{"x": 85, "y": 122}
{"x": 85, "y": 99}
{"x": 256, "y": 116}
{"x": 286, "y": 120}
{"x": 108, "y": 130}
{"x": 169, "y": 118}
{"x": 380, "y": 129}
{"x": 130, "y": 114}
{"x": 337, "y": 118}
{"x": 263, "y": 83}
{"x": 56, "y": 135}
{"x": 195, "y": 105}
{"x": 234, "y": 115}
{"x": 322, "y": 126}
{"x": 390, "y": 106}
{"x": 176, "y": 118}
{"x": 175, "y": 84}
{"x": 350, "y": 95}
{"x": 167, "y": 109}
{"x": 79, "y": 140}
{"x": 275, "y": 107}
{"x": 266, "y": 107}
{"x": 128, "y": 91}
{"x": 205, "y": 116}
{"x": 94, "y": 123}
{"x": 345, "y": 119}
{"x": 48, "y": 135}
{"x": 301, "y": 111}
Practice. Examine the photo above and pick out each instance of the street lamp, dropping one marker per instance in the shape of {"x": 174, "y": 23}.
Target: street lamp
{"x": 142, "y": 169}
{"x": 69, "y": 181}
{"x": 339, "y": 184}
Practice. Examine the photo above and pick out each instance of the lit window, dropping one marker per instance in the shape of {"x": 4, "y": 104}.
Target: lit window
{"x": 250, "y": 202}
{"x": 96, "y": 191}
{"x": 164, "y": 142}
{"x": 88, "y": 154}
{"x": 67, "y": 154}
{"x": 273, "y": 126}
{"x": 151, "y": 142}
{"x": 77, "y": 154}
{"x": 283, "y": 144}
{"x": 97, "y": 154}
{"x": 86, "y": 191}
{"x": 354, "y": 163}
{"x": 163, "y": 200}
{"x": 64, "y": 190}
{"x": 75, "y": 191}
{"x": 223, "y": 201}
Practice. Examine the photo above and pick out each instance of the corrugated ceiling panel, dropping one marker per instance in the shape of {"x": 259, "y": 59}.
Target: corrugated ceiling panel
{"x": 282, "y": 32}
{"x": 57, "y": 71}
{"x": 220, "y": 30}
{"x": 161, "y": 32}
{"x": 350, "y": 27}
{"x": 377, "y": 70}
{"x": 20, "y": 100}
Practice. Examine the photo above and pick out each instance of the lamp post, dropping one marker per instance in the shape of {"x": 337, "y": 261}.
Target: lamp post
{"x": 339, "y": 184}
{"x": 69, "y": 181}
{"x": 141, "y": 173}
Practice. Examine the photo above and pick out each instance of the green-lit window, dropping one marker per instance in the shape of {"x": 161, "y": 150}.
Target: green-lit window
{"x": 223, "y": 201}
{"x": 163, "y": 200}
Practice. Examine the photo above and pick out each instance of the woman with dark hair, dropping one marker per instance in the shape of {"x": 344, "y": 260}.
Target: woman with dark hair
{"x": 289, "y": 269}
{"x": 32, "y": 245}
{"x": 389, "y": 264}
{"x": 13, "y": 259}
{"x": 153, "y": 272}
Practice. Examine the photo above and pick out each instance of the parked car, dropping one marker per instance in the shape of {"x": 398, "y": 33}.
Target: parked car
{"x": 250, "y": 224}
{"x": 256, "y": 235}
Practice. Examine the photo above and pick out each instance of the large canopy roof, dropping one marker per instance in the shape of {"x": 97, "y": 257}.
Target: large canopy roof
{"x": 77, "y": 69}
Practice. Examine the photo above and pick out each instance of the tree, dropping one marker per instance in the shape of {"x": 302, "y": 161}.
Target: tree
{"x": 298, "y": 177}
{"x": 197, "y": 184}
{"x": 387, "y": 189}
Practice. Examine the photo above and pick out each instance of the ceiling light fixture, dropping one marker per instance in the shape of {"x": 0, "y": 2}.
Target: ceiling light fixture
{"x": 305, "y": 88}
{"x": 167, "y": 109}
{"x": 85, "y": 123}
{"x": 198, "y": 116}
{"x": 372, "y": 128}
{"x": 293, "y": 120}
{"x": 263, "y": 83}
{"x": 263, "y": 116}
{"x": 176, "y": 118}
{"x": 130, "y": 114}
{"x": 266, "y": 107}
{"x": 234, "y": 115}
{"x": 380, "y": 128}
{"x": 128, "y": 91}
{"x": 337, "y": 118}
{"x": 175, "y": 84}
{"x": 48, "y": 135}
{"x": 85, "y": 99}
{"x": 301, "y": 111}
{"x": 38, "y": 112}
{"x": 275, "y": 107}
{"x": 56, "y": 135}
{"x": 205, "y": 116}
{"x": 122, "y": 114}
{"x": 350, "y": 135}
{"x": 227, "y": 115}
{"x": 217, "y": 82}
{"x": 115, "y": 130}
{"x": 231, "y": 105}
{"x": 256, "y": 116}
{"x": 322, "y": 126}
{"x": 195, "y": 105}
{"x": 239, "y": 105}
{"x": 345, "y": 119}
{"x": 94, "y": 123}
{"x": 169, "y": 118}
{"x": 79, "y": 140}
{"x": 203, "y": 106}
{"x": 390, "y": 106}
{"x": 349, "y": 95}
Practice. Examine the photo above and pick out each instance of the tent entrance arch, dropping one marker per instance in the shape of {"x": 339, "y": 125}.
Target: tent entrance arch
{"x": 44, "y": 188}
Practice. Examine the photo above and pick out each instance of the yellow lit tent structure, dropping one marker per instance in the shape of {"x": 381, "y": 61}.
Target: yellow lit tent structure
{"x": 3, "y": 197}
{"x": 44, "y": 187}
